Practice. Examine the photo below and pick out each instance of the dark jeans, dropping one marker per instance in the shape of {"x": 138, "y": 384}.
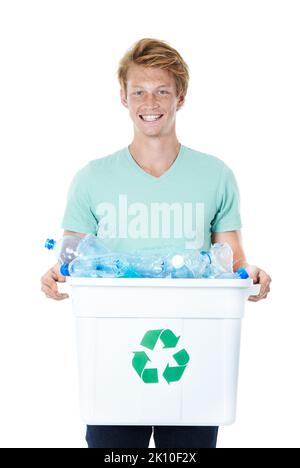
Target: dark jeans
{"x": 139, "y": 436}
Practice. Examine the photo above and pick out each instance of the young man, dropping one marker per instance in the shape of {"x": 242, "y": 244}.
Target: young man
{"x": 155, "y": 192}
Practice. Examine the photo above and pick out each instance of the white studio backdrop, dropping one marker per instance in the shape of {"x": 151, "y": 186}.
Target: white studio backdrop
{"x": 60, "y": 108}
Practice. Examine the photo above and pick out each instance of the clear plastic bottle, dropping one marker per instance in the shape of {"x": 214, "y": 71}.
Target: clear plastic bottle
{"x": 221, "y": 258}
{"x": 179, "y": 266}
{"x": 92, "y": 246}
{"x": 188, "y": 264}
{"x": 203, "y": 264}
{"x": 147, "y": 265}
{"x": 169, "y": 261}
{"x": 111, "y": 265}
{"x": 241, "y": 273}
{"x": 65, "y": 249}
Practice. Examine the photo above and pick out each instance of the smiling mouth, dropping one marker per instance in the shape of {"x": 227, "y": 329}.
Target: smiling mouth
{"x": 152, "y": 120}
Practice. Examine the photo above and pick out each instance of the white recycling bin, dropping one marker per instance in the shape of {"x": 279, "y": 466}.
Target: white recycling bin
{"x": 159, "y": 351}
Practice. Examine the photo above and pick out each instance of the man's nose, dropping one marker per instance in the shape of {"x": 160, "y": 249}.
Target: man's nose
{"x": 151, "y": 100}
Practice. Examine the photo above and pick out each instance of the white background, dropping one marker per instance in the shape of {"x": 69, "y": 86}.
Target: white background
{"x": 60, "y": 108}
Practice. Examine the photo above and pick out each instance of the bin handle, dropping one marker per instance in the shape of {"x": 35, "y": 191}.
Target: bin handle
{"x": 254, "y": 290}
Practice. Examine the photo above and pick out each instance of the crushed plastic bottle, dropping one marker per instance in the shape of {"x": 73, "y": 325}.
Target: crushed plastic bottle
{"x": 222, "y": 258}
{"x": 241, "y": 273}
{"x": 106, "y": 266}
{"x": 185, "y": 264}
{"x": 147, "y": 265}
{"x": 203, "y": 264}
{"x": 66, "y": 249}
{"x": 177, "y": 267}
{"x": 219, "y": 259}
{"x": 92, "y": 246}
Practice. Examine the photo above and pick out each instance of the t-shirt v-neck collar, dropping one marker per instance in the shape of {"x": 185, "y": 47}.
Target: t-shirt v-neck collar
{"x": 145, "y": 174}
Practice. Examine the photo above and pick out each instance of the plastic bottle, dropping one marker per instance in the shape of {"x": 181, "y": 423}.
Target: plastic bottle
{"x": 241, "y": 273}
{"x": 65, "y": 249}
{"x": 221, "y": 258}
{"x": 188, "y": 264}
{"x": 203, "y": 264}
{"x": 92, "y": 246}
{"x": 106, "y": 266}
{"x": 177, "y": 266}
{"x": 147, "y": 265}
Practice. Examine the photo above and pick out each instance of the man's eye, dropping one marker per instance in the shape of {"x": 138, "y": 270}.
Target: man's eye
{"x": 139, "y": 93}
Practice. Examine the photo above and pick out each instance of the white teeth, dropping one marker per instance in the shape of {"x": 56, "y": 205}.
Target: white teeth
{"x": 151, "y": 118}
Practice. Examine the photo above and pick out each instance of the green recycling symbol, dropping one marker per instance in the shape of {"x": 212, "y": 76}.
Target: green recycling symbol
{"x": 169, "y": 340}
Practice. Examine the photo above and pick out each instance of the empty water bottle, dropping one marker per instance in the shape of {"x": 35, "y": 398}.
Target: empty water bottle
{"x": 106, "y": 266}
{"x": 92, "y": 246}
{"x": 222, "y": 257}
{"x": 188, "y": 264}
{"x": 177, "y": 268}
{"x": 147, "y": 265}
{"x": 219, "y": 259}
{"x": 241, "y": 273}
{"x": 203, "y": 264}
{"x": 183, "y": 264}
{"x": 65, "y": 249}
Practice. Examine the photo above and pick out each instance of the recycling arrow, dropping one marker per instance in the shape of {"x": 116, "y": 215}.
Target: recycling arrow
{"x": 173, "y": 374}
{"x": 141, "y": 359}
{"x": 166, "y": 336}
{"x": 139, "y": 363}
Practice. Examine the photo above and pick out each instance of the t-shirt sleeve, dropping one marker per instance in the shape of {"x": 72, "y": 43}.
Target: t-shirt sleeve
{"x": 228, "y": 216}
{"x": 78, "y": 215}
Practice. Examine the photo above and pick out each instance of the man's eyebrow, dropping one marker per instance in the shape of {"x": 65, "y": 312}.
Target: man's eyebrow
{"x": 160, "y": 86}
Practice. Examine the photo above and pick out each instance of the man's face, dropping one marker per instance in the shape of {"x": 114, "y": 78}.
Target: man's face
{"x": 151, "y": 92}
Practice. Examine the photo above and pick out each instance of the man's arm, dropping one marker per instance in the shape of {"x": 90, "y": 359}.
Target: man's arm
{"x": 73, "y": 233}
{"x": 50, "y": 279}
{"x": 259, "y": 276}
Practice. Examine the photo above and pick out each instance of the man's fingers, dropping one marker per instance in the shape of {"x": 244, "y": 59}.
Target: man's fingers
{"x": 262, "y": 295}
{"x": 265, "y": 288}
{"x": 55, "y": 273}
{"x": 57, "y": 297}
{"x": 51, "y": 278}
{"x": 264, "y": 280}
{"x": 253, "y": 298}
{"x": 58, "y": 277}
{"x": 50, "y": 283}
{"x": 52, "y": 294}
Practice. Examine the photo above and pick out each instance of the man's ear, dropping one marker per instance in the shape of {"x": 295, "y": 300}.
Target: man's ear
{"x": 181, "y": 102}
{"x": 123, "y": 98}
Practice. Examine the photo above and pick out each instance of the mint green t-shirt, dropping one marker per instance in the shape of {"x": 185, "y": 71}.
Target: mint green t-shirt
{"x": 129, "y": 209}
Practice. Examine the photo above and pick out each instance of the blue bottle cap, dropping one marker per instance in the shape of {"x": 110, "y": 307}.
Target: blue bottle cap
{"x": 64, "y": 270}
{"x": 243, "y": 274}
{"x": 50, "y": 243}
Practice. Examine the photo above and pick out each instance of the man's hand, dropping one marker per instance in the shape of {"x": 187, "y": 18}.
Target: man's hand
{"x": 259, "y": 276}
{"x": 49, "y": 284}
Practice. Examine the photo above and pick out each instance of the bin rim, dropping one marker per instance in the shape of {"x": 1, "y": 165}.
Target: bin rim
{"x": 161, "y": 282}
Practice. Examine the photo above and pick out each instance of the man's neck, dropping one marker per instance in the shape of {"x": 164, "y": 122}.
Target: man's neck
{"x": 155, "y": 156}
